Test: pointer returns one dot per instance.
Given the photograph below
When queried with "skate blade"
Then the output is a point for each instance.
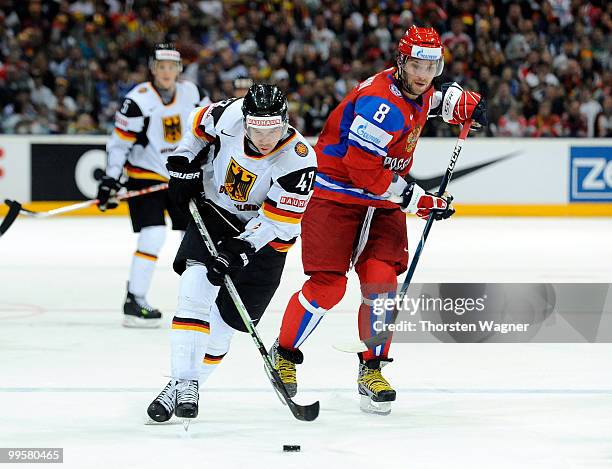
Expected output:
(140, 323)
(154, 423)
(369, 406)
(186, 422)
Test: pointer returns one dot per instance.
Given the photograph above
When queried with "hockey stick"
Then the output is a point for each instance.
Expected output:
(11, 216)
(306, 413)
(380, 338)
(84, 204)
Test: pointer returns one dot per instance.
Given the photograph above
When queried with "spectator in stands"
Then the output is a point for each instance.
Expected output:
(534, 52)
(84, 125)
(603, 121)
(590, 109)
(545, 123)
(512, 124)
(574, 123)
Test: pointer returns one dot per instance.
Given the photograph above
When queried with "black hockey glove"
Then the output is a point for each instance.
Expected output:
(234, 254)
(185, 180)
(107, 190)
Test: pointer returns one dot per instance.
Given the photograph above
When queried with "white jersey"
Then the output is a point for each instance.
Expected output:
(147, 130)
(269, 192)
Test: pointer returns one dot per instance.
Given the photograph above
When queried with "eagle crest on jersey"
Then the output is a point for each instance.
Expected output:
(413, 138)
(172, 128)
(238, 182)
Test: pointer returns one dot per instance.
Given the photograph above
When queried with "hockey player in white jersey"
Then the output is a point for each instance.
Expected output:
(257, 174)
(148, 128)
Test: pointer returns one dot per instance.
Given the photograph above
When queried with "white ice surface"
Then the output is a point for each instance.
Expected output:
(72, 377)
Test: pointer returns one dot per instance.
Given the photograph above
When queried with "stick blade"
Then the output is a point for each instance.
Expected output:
(11, 216)
(305, 413)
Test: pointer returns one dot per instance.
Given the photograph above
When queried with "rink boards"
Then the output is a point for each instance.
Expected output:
(493, 177)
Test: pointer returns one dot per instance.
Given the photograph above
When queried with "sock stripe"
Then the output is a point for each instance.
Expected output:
(144, 255)
(189, 324)
(213, 359)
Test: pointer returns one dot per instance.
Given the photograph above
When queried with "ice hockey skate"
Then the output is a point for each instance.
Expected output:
(162, 408)
(139, 314)
(376, 392)
(284, 362)
(187, 396)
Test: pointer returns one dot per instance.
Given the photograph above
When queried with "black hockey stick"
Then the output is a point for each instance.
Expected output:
(380, 338)
(11, 216)
(86, 203)
(306, 413)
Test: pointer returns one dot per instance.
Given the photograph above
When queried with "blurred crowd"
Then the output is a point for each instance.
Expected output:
(544, 66)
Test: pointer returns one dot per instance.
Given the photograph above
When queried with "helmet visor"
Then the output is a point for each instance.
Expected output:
(265, 131)
(424, 68)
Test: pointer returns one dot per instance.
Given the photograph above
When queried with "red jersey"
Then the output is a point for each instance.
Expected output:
(370, 135)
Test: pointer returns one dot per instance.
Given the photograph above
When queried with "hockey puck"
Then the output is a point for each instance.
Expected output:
(291, 448)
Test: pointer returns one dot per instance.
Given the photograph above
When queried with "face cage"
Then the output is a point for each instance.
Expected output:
(401, 62)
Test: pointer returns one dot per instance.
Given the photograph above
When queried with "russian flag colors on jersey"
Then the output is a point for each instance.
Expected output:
(368, 137)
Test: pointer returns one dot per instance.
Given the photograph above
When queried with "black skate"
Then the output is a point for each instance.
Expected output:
(140, 315)
(284, 362)
(186, 399)
(162, 408)
(376, 392)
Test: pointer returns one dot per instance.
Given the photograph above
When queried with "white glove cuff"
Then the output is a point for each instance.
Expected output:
(452, 95)
(396, 188)
(417, 193)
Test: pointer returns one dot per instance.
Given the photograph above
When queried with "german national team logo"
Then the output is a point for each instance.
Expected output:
(301, 149)
(412, 138)
(172, 128)
(238, 182)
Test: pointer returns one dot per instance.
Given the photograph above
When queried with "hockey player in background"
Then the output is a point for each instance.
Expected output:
(148, 127)
(258, 175)
(364, 152)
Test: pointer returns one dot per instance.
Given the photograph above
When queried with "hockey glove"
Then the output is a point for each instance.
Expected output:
(234, 254)
(107, 190)
(459, 105)
(417, 201)
(185, 180)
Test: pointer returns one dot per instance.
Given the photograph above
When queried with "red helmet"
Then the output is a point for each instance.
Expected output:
(421, 43)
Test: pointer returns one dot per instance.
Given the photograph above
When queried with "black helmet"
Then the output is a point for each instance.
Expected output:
(266, 102)
(166, 51)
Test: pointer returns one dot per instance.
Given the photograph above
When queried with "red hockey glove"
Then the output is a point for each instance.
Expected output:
(458, 106)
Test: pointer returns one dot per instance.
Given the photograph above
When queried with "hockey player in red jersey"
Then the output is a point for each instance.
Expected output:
(363, 153)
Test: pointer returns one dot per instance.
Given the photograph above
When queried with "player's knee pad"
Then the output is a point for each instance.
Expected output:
(325, 288)
(220, 334)
(374, 271)
(151, 239)
(196, 294)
